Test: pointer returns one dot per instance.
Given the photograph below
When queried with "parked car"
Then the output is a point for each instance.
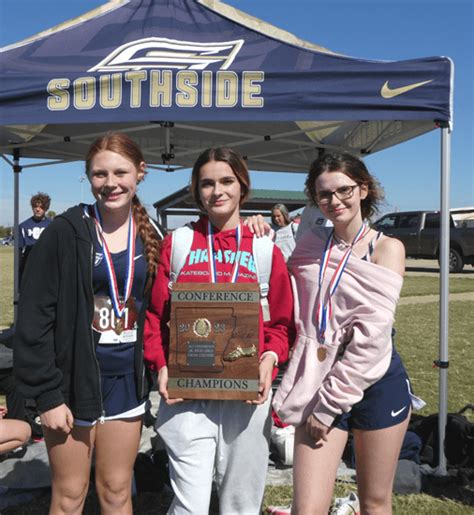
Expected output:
(7, 241)
(419, 231)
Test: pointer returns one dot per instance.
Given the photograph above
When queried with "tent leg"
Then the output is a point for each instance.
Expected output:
(16, 234)
(443, 362)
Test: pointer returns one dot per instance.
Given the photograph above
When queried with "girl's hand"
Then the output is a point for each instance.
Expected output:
(265, 370)
(258, 226)
(3, 412)
(58, 419)
(316, 429)
(163, 386)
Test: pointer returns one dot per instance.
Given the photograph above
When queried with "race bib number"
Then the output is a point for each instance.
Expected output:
(114, 330)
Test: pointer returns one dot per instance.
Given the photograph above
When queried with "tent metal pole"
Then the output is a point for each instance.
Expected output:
(16, 233)
(443, 362)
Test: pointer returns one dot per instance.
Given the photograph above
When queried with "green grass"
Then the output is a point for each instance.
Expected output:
(6, 286)
(417, 341)
(415, 286)
(419, 504)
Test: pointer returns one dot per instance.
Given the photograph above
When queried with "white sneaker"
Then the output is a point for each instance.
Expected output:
(283, 439)
(346, 505)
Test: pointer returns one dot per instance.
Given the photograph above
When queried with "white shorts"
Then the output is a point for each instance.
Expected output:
(135, 412)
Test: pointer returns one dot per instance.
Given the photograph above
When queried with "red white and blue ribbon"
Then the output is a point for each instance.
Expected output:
(118, 303)
(212, 257)
(324, 309)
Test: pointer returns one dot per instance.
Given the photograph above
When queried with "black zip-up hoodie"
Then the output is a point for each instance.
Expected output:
(54, 351)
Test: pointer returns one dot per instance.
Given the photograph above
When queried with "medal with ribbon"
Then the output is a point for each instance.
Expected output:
(118, 303)
(324, 309)
(212, 257)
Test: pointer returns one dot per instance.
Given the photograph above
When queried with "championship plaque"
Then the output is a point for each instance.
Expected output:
(213, 350)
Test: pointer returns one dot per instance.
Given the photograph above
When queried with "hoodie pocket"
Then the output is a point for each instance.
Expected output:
(298, 392)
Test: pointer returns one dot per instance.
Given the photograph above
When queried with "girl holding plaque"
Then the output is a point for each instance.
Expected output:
(224, 439)
(78, 349)
(345, 373)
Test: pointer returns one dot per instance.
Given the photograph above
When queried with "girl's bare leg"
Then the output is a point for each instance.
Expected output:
(13, 434)
(117, 443)
(377, 455)
(314, 471)
(70, 461)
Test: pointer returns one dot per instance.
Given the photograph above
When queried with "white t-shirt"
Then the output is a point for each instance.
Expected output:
(311, 217)
(285, 239)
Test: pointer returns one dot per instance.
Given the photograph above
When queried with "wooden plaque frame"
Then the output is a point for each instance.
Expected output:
(214, 330)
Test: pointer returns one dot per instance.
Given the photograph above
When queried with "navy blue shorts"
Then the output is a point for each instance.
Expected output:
(385, 404)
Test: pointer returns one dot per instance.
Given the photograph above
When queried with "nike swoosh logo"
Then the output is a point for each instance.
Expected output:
(396, 413)
(388, 92)
(137, 257)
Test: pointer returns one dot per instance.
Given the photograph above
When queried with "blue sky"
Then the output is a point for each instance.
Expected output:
(372, 29)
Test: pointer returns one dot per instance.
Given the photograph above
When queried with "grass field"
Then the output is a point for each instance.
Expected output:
(417, 342)
(414, 286)
(6, 286)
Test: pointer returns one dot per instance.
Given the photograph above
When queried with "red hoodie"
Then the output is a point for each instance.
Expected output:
(275, 335)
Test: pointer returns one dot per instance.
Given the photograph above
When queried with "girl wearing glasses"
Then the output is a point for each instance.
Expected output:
(345, 374)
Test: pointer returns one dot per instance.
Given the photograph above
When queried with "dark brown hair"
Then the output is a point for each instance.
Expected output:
(43, 199)
(120, 143)
(229, 156)
(352, 167)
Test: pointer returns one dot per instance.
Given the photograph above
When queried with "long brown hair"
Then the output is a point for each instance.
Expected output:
(120, 143)
(229, 156)
(352, 167)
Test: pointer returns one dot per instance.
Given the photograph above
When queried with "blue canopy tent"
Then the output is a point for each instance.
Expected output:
(183, 75)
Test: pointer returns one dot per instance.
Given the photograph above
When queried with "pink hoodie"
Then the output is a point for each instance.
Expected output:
(358, 343)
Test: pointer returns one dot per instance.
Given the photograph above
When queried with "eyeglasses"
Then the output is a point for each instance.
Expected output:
(342, 193)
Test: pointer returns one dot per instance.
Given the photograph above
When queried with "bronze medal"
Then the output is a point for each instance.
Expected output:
(321, 353)
(119, 325)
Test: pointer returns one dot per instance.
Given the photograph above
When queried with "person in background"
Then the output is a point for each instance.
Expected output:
(78, 343)
(30, 230)
(17, 407)
(345, 374)
(285, 230)
(13, 433)
(205, 439)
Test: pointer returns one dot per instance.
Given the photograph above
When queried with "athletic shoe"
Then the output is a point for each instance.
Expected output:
(346, 505)
(279, 510)
(283, 440)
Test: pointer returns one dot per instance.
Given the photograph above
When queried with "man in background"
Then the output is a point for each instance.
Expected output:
(30, 230)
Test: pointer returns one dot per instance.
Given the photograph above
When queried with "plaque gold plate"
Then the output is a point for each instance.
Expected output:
(213, 351)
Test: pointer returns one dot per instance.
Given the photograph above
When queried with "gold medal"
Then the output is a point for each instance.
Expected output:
(321, 353)
(202, 327)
